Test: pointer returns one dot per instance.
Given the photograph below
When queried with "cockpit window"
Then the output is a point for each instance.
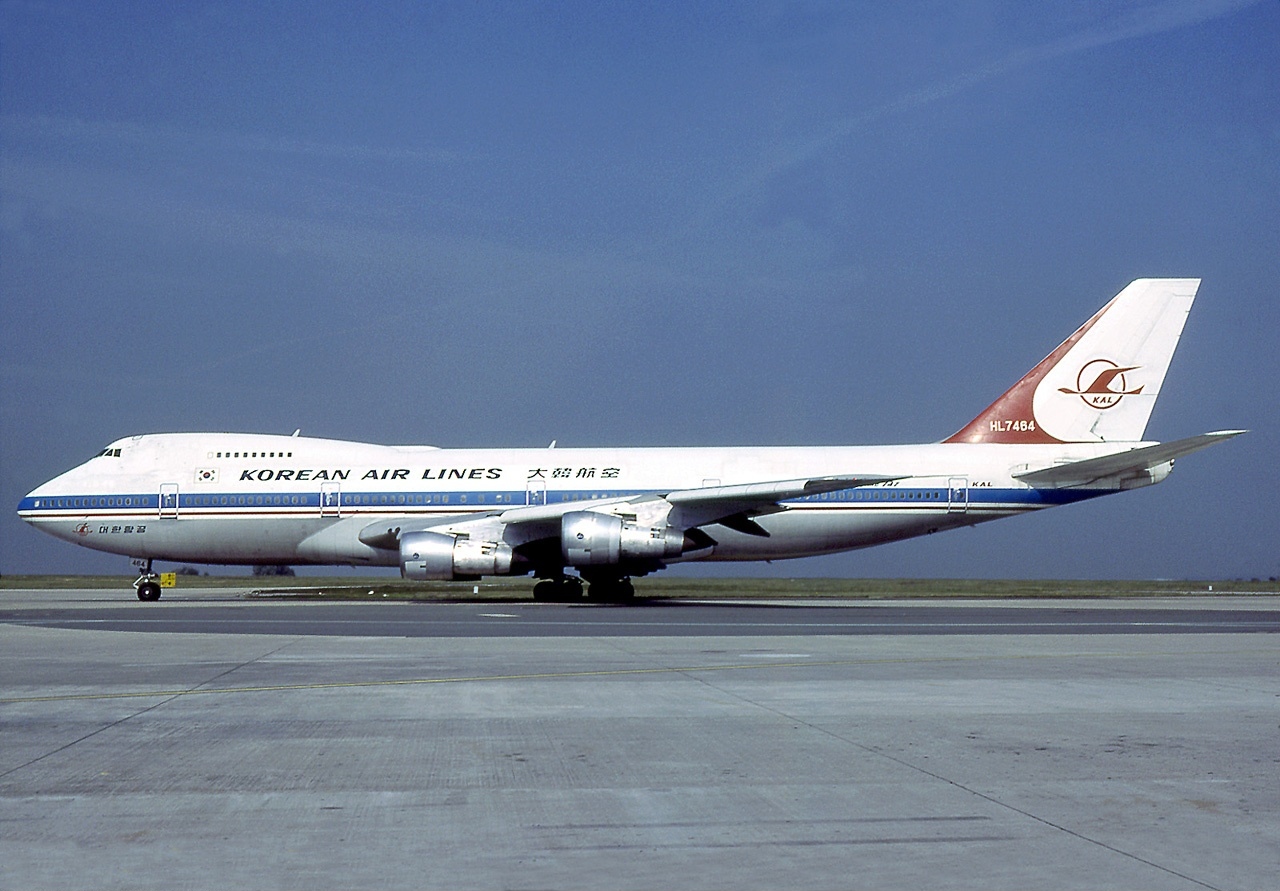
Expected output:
(108, 453)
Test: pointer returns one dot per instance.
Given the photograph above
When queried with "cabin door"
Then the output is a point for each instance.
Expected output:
(168, 499)
(330, 499)
(958, 495)
(535, 490)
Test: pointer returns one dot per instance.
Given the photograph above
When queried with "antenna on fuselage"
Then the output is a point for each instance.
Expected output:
(296, 432)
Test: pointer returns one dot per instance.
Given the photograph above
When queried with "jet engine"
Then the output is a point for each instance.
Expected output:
(588, 538)
(435, 556)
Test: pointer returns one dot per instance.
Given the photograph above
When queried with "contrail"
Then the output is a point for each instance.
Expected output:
(1138, 23)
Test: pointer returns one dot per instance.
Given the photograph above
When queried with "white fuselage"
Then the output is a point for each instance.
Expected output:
(261, 499)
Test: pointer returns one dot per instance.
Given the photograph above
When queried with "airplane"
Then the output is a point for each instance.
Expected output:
(1069, 430)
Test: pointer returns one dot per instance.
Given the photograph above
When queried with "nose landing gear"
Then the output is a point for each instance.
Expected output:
(148, 583)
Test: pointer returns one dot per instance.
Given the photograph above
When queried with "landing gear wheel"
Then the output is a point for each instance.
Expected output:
(147, 585)
(561, 590)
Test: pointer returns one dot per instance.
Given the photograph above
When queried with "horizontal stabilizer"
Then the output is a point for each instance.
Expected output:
(1122, 464)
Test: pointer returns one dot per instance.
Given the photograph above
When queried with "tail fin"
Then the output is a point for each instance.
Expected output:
(1101, 384)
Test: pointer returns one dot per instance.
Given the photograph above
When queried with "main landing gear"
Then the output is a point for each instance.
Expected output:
(148, 583)
(567, 589)
(562, 589)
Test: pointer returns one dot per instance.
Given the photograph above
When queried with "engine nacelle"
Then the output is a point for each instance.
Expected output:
(588, 538)
(437, 556)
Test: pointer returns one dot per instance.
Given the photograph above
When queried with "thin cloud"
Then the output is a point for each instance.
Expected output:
(1139, 23)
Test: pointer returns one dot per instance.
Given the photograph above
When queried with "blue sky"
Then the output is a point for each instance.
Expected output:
(471, 224)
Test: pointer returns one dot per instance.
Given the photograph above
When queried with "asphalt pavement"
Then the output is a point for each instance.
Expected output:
(210, 741)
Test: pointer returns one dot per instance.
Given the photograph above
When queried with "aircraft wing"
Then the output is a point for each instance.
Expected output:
(1121, 465)
(731, 505)
(690, 508)
(714, 504)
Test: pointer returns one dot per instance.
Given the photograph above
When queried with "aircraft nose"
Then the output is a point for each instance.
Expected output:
(34, 501)
(29, 502)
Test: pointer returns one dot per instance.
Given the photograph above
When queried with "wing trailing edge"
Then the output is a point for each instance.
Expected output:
(711, 504)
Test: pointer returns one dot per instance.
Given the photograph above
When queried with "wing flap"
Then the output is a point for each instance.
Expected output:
(771, 492)
(699, 507)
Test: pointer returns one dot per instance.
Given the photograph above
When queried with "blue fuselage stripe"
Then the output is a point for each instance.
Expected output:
(381, 502)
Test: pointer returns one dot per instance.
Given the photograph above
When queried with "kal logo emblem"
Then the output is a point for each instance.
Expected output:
(82, 530)
(1101, 384)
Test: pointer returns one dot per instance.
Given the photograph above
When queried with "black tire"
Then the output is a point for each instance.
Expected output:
(149, 592)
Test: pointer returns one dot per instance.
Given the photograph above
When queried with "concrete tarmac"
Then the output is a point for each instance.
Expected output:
(214, 756)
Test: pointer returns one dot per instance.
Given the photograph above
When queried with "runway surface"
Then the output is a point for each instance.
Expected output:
(208, 741)
(662, 618)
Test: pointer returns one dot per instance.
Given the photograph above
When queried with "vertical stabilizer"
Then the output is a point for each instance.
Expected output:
(1101, 384)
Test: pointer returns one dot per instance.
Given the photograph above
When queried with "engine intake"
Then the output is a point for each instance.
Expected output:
(436, 556)
(588, 538)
